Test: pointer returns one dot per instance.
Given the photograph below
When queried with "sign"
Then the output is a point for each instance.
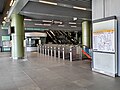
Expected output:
(104, 36)
(104, 40)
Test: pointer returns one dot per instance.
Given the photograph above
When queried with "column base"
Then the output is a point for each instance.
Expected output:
(17, 58)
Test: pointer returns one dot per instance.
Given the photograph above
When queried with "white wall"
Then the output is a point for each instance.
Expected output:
(97, 9)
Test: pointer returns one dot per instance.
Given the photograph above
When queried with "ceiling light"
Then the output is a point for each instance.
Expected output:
(37, 24)
(3, 22)
(11, 2)
(58, 22)
(5, 18)
(73, 26)
(75, 18)
(72, 23)
(7, 12)
(46, 2)
(64, 5)
(14, 3)
(61, 25)
(47, 24)
(46, 21)
(27, 19)
(79, 8)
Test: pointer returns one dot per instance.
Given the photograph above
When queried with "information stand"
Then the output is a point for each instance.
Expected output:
(105, 46)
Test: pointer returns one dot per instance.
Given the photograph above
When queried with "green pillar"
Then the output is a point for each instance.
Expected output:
(18, 36)
(86, 33)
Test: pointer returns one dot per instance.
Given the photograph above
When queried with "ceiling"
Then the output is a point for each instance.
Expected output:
(55, 16)
(2, 6)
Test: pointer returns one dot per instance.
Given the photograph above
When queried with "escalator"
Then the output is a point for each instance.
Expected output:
(73, 41)
(50, 37)
(63, 38)
(55, 37)
(72, 35)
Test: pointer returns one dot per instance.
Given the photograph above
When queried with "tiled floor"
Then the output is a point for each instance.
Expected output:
(41, 72)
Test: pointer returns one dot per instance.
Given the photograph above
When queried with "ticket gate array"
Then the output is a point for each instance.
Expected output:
(65, 52)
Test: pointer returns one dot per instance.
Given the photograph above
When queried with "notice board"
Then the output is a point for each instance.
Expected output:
(104, 37)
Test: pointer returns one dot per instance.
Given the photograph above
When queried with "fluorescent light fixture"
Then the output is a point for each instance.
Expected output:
(7, 12)
(5, 18)
(75, 18)
(46, 21)
(3, 22)
(58, 22)
(37, 24)
(61, 25)
(11, 2)
(79, 8)
(64, 5)
(72, 23)
(47, 24)
(27, 19)
(73, 26)
(47, 2)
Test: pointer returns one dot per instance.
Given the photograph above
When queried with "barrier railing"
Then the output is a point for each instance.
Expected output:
(65, 52)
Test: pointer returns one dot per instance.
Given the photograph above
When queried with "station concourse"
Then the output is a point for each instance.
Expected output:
(59, 45)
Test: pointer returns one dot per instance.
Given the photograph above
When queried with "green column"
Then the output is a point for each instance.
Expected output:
(17, 36)
(86, 33)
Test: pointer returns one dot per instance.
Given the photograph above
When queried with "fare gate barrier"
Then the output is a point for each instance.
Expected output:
(42, 48)
(48, 50)
(69, 52)
(76, 53)
(54, 51)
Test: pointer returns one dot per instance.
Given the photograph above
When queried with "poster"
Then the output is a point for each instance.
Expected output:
(104, 36)
(104, 40)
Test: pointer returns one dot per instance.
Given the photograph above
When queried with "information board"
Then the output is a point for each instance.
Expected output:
(103, 40)
(104, 36)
